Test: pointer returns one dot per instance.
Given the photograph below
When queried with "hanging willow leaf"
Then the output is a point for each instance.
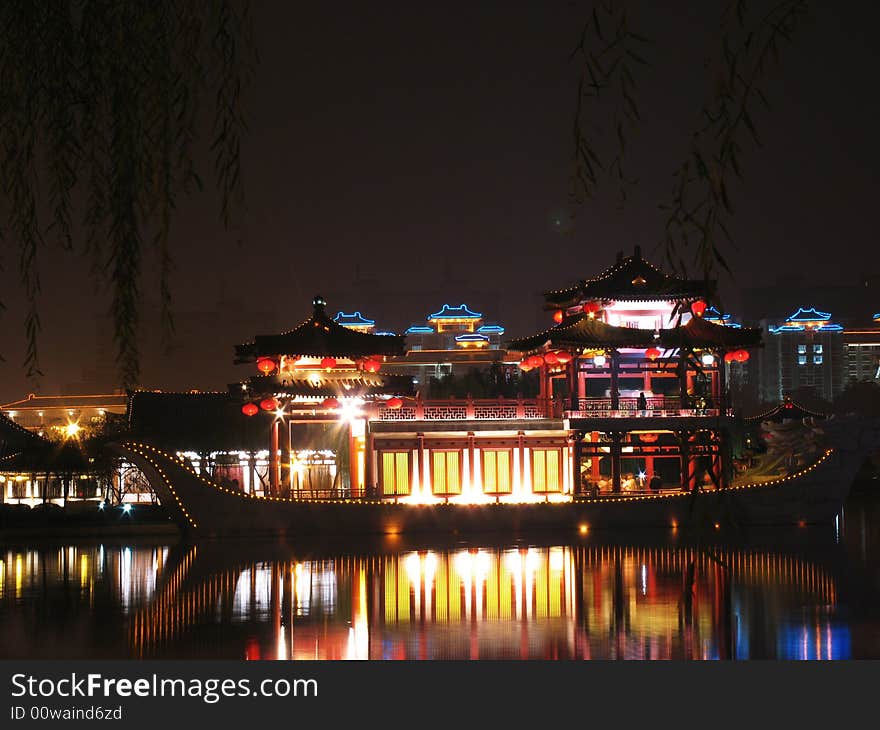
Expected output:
(606, 101)
(100, 102)
(748, 42)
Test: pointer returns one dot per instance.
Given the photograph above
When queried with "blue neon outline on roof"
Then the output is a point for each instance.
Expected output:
(470, 337)
(385, 333)
(713, 313)
(419, 330)
(356, 316)
(803, 315)
(876, 316)
(830, 328)
(786, 328)
(492, 329)
(735, 325)
(459, 312)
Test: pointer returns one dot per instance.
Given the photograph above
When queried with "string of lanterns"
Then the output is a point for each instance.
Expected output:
(736, 356)
(372, 364)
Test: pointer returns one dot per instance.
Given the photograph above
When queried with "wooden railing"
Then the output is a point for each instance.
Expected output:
(491, 409)
(465, 409)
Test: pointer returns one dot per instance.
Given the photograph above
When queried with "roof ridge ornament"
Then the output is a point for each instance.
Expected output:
(319, 303)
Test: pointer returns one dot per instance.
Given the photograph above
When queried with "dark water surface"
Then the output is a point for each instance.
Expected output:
(793, 594)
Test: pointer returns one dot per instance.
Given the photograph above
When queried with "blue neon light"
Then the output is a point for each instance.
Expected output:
(786, 328)
(713, 313)
(876, 316)
(353, 319)
(471, 338)
(808, 315)
(385, 333)
(420, 330)
(830, 328)
(459, 312)
(491, 329)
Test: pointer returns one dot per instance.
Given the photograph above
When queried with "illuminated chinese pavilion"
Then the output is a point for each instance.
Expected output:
(639, 375)
(632, 396)
(318, 385)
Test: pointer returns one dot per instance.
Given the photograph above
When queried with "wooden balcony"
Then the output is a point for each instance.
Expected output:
(517, 409)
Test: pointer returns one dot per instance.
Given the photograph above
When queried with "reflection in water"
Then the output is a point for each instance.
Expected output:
(560, 602)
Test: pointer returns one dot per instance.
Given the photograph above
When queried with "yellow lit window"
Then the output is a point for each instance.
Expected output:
(395, 473)
(446, 472)
(546, 470)
(497, 471)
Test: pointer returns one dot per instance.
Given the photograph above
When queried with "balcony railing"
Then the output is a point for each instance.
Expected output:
(492, 409)
(466, 409)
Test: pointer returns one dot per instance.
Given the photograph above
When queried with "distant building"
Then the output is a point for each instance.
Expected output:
(43, 414)
(804, 352)
(454, 339)
(862, 351)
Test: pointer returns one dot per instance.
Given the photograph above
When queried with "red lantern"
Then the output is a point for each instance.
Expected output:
(372, 366)
(265, 365)
(524, 365)
(652, 353)
(742, 355)
(328, 363)
(268, 404)
(551, 359)
(330, 403)
(729, 356)
(698, 307)
(394, 402)
(535, 361)
(563, 357)
(648, 438)
(249, 409)
(558, 316)
(592, 307)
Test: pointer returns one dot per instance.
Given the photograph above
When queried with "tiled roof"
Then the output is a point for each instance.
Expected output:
(581, 330)
(631, 279)
(320, 336)
(45, 402)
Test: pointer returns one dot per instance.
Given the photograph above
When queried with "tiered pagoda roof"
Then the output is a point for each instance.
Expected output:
(320, 336)
(583, 331)
(631, 279)
(698, 332)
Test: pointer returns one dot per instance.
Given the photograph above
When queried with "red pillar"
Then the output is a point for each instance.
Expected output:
(274, 461)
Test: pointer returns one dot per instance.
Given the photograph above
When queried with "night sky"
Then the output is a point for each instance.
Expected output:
(402, 156)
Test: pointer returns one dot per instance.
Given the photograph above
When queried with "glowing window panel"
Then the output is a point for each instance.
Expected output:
(497, 471)
(395, 473)
(817, 359)
(446, 472)
(546, 472)
(802, 359)
(817, 349)
(802, 349)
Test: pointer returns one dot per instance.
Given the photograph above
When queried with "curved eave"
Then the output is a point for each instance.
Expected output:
(580, 330)
(320, 336)
(699, 332)
(371, 385)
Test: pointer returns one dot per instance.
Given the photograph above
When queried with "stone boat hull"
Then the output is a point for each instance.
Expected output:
(813, 495)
